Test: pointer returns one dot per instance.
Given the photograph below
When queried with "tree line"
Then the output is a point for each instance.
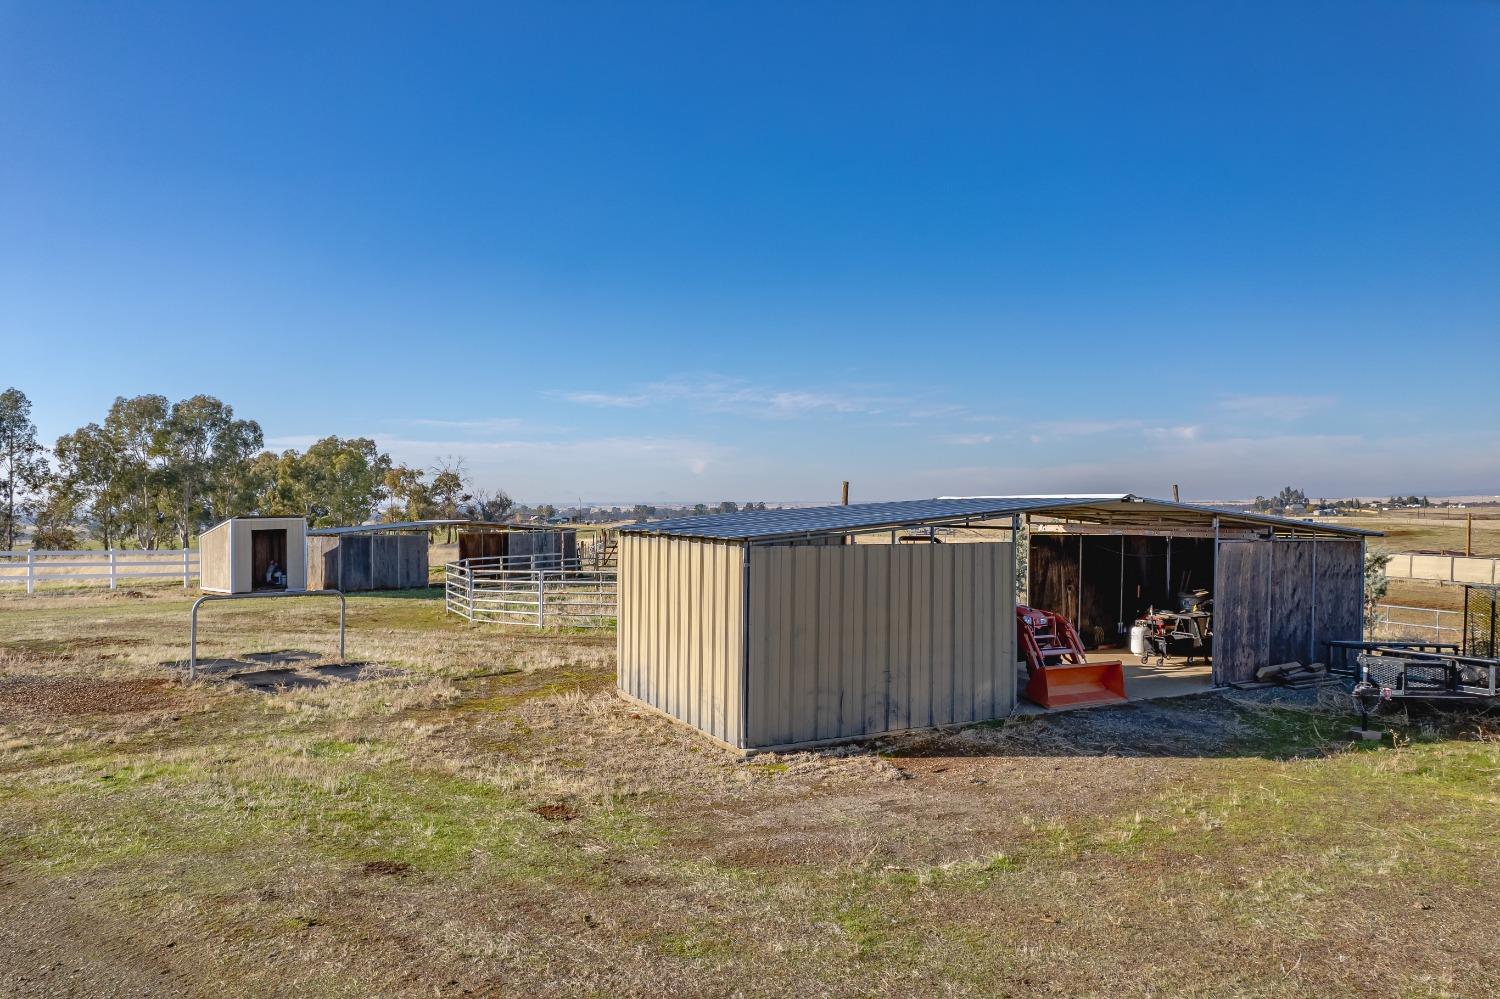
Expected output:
(154, 473)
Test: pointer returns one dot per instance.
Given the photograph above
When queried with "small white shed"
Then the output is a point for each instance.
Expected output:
(249, 554)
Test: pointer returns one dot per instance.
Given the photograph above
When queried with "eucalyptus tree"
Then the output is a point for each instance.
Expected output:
(203, 452)
(23, 467)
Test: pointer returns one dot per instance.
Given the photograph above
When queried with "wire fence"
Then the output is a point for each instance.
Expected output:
(34, 568)
(530, 590)
(1395, 622)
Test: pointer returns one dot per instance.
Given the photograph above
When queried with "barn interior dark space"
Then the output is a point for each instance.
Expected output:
(268, 547)
(1123, 577)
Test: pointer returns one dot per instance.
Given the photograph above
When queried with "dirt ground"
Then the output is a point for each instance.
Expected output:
(472, 811)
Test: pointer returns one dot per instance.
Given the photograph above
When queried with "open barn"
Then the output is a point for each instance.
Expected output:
(793, 627)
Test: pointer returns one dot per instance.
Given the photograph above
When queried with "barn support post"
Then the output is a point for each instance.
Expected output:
(1362, 615)
(1312, 632)
(1171, 597)
(1120, 613)
(1463, 632)
(744, 739)
(1078, 594)
(1215, 676)
(1270, 593)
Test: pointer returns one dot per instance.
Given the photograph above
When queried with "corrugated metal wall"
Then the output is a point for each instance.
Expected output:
(680, 632)
(862, 639)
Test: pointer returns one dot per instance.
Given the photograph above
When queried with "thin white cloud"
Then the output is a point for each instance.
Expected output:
(967, 440)
(607, 399)
(1081, 428)
(721, 394)
(488, 425)
(1182, 433)
(1277, 407)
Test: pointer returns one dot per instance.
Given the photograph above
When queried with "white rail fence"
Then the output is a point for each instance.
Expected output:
(511, 591)
(1393, 622)
(33, 567)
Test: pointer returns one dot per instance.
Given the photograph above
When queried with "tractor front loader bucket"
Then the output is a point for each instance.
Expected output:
(1069, 686)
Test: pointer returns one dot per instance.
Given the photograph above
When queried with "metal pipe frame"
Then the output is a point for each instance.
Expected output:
(193, 619)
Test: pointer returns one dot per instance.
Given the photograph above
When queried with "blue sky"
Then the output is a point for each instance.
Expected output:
(684, 251)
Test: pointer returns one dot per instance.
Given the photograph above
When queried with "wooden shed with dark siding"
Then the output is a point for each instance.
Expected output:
(357, 562)
(515, 541)
(787, 628)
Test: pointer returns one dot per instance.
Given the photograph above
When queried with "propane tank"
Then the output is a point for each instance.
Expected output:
(1138, 640)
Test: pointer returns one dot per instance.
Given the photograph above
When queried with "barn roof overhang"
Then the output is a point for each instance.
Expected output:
(412, 526)
(1117, 510)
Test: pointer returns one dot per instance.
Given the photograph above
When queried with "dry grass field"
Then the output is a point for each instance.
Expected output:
(472, 812)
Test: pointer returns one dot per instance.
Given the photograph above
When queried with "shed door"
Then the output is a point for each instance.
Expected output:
(1283, 601)
(1242, 616)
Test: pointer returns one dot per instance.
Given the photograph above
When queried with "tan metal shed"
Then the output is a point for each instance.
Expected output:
(246, 554)
(766, 631)
(769, 630)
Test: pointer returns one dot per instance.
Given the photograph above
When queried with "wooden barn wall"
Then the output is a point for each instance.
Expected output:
(1106, 603)
(1292, 587)
(497, 544)
(322, 563)
(1052, 574)
(680, 634)
(354, 563)
(856, 640)
(412, 561)
(481, 544)
(1241, 611)
(1341, 593)
(1280, 601)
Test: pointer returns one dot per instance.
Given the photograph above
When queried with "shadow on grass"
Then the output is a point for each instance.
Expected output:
(285, 669)
(433, 593)
(1275, 725)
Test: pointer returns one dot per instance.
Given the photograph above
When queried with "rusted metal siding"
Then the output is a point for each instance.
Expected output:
(680, 633)
(857, 640)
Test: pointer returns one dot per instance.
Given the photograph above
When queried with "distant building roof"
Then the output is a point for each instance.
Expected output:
(408, 526)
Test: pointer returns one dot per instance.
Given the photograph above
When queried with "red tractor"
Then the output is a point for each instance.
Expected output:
(1061, 675)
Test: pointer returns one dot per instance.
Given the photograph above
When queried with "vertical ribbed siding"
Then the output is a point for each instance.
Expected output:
(680, 634)
(862, 639)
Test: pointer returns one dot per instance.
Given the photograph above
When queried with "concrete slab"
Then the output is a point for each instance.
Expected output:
(1175, 678)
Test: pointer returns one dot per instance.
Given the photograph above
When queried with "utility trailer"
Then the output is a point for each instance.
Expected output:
(1433, 676)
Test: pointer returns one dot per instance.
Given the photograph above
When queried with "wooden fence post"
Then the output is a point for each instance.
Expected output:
(541, 599)
(185, 582)
(31, 571)
(113, 570)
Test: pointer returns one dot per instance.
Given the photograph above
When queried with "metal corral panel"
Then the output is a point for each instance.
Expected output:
(857, 640)
(680, 630)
